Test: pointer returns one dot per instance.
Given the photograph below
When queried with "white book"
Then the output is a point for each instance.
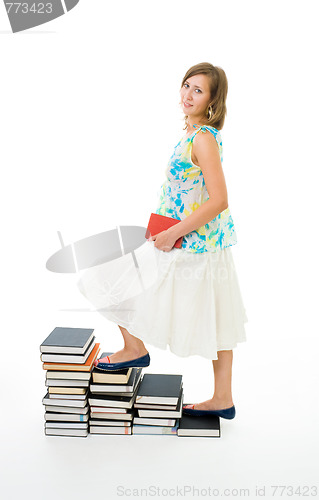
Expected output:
(66, 425)
(163, 413)
(67, 432)
(64, 402)
(148, 406)
(67, 409)
(96, 429)
(110, 416)
(79, 397)
(66, 383)
(108, 422)
(76, 375)
(105, 409)
(70, 417)
(199, 432)
(153, 429)
(154, 421)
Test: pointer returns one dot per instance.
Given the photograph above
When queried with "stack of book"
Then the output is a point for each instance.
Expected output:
(111, 398)
(159, 403)
(68, 355)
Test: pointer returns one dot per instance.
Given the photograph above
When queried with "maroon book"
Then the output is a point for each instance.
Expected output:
(159, 223)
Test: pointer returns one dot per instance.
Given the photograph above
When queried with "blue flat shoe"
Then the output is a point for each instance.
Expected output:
(226, 413)
(142, 362)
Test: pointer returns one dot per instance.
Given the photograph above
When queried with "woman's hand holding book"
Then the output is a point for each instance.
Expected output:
(164, 240)
(162, 230)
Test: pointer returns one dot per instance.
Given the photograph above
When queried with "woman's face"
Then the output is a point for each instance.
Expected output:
(195, 97)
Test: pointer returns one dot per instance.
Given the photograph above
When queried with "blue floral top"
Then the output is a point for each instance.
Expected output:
(184, 190)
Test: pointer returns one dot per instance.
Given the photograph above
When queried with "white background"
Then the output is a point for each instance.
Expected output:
(89, 117)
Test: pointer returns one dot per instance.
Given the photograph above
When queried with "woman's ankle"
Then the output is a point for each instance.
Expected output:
(136, 349)
(223, 398)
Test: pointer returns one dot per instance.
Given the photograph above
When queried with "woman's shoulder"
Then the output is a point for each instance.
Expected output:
(213, 131)
(205, 129)
(210, 128)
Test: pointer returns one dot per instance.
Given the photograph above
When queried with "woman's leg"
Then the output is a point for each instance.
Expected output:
(222, 380)
(133, 348)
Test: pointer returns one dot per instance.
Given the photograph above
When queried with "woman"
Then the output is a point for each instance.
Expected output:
(194, 305)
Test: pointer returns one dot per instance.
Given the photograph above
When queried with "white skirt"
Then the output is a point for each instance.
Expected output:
(190, 302)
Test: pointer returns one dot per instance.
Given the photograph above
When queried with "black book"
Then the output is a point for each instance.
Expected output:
(159, 388)
(69, 358)
(66, 340)
(151, 413)
(205, 426)
(113, 400)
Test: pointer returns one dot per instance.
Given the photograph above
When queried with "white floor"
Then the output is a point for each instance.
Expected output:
(272, 441)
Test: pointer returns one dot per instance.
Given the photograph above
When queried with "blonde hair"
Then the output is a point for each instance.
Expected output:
(218, 91)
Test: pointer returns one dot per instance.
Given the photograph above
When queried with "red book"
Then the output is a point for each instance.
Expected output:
(159, 223)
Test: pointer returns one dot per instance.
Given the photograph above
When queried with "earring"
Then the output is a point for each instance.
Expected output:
(210, 112)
